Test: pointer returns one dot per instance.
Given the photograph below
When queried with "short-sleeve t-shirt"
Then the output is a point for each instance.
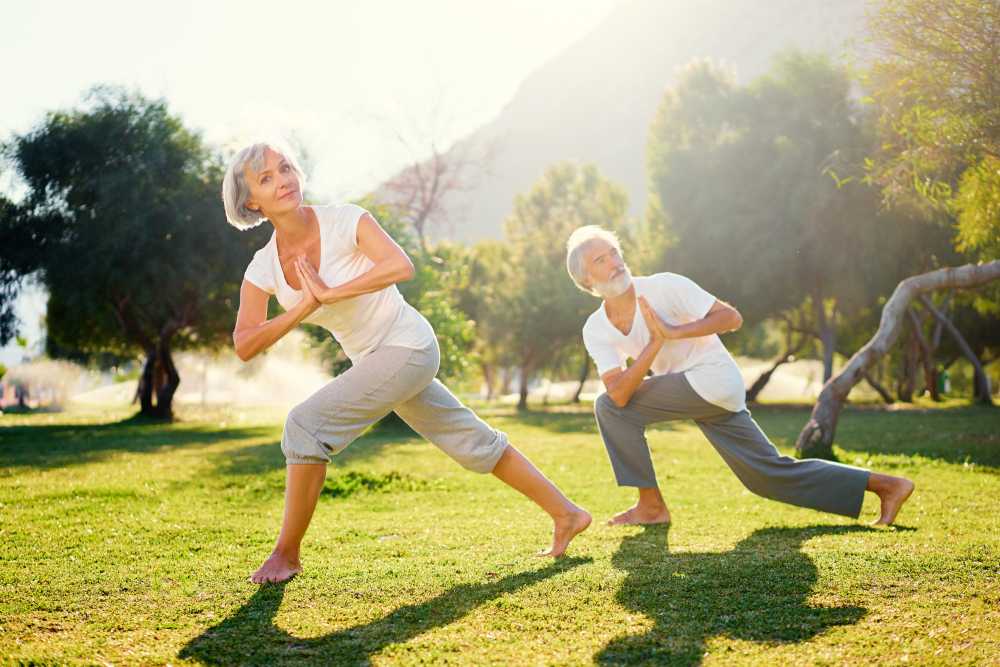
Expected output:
(704, 360)
(362, 323)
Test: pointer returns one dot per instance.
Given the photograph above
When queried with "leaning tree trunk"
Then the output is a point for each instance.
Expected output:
(765, 377)
(981, 378)
(816, 438)
(882, 391)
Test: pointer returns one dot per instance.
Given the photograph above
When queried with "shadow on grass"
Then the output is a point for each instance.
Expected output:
(52, 446)
(756, 592)
(250, 637)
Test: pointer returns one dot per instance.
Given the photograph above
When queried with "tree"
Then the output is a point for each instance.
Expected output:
(484, 294)
(546, 310)
(759, 180)
(816, 438)
(936, 87)
(122, 219)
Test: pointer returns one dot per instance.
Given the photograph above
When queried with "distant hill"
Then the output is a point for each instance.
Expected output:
(594, 101)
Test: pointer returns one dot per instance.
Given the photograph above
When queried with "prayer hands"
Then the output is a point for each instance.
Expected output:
(313, 286)
(658, 329)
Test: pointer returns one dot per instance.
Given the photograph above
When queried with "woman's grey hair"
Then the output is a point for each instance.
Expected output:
(235, 190)
(577, 243)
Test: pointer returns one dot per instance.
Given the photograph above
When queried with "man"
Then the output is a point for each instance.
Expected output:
(668, 325)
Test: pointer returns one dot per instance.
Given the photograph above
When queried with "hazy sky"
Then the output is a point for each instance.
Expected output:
(341, 78)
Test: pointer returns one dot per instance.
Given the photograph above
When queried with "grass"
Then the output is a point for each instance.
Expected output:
(130, 543)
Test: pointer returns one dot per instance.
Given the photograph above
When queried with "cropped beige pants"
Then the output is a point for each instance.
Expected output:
(391, 378)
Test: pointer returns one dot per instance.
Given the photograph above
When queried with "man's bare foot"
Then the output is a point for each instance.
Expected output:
(893, 495)
(277, 567)
(565, 529)
(641, 515)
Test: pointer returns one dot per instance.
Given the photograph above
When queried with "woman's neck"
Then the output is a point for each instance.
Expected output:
(292, 228)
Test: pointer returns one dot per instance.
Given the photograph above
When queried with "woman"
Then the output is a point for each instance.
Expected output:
(336, 267)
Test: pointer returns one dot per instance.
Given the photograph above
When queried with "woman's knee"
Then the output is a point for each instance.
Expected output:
(298, 440)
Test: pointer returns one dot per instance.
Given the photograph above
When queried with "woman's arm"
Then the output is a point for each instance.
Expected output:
(254, 333)
(392, 265)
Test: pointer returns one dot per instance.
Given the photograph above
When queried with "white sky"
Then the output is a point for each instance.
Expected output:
(341, 78)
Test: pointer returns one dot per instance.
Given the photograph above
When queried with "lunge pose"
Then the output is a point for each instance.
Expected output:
(668, 325)
(336, 267)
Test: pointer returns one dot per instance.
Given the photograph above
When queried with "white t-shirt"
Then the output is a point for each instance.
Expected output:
(362, 323)
(705, 362)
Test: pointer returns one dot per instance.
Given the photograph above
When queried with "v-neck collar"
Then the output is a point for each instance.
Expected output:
(635, 318)
(277, 257)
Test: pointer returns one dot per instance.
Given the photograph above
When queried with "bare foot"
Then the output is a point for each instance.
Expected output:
(276, 568)
(565, 529)
(641, 515)
(895, 494)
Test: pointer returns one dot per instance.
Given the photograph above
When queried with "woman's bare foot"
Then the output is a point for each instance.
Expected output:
(277, 567)
(565, 529)
(893, 492)
(641, 515)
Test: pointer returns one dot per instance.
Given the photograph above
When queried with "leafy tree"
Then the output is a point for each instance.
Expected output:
(121, 217)
(546, 310)
(936, 85)
(754, 193)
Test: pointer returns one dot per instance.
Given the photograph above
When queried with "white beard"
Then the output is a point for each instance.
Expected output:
(614, 287)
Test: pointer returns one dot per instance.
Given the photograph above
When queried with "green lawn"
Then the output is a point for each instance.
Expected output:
(130, 543)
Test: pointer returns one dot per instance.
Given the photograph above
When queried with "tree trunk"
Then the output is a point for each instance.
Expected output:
(584, 374)
(882, 391)
(522, 401)
(168, 380)
(827, 327)
(144, 390)
(765, 377)
(982, 380)
(489, 377)
(505, 381)
(816, 438)
(926, 356)
(907, 381)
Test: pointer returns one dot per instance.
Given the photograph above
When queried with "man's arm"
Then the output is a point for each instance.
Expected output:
(721, 317)
(622, 384)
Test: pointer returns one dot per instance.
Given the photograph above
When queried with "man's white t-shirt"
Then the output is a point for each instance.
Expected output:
(362, 323)
(705, 362)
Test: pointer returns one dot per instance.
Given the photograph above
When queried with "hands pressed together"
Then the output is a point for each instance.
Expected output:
(659, 330)
(314, 290)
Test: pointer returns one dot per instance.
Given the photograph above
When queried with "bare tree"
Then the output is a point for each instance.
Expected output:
(421, 192)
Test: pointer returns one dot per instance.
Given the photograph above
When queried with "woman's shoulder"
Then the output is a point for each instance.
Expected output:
(347, 213)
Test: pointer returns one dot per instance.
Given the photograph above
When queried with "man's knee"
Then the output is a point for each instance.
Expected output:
(604, 407)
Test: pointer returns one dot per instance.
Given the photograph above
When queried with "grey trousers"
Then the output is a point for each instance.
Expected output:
(390, 378)
(814, 483)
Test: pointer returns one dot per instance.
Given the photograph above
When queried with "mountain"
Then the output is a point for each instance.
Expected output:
(594, 101)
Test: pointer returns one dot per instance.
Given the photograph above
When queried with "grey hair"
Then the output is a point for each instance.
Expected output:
(235, 190)
(577, 243)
